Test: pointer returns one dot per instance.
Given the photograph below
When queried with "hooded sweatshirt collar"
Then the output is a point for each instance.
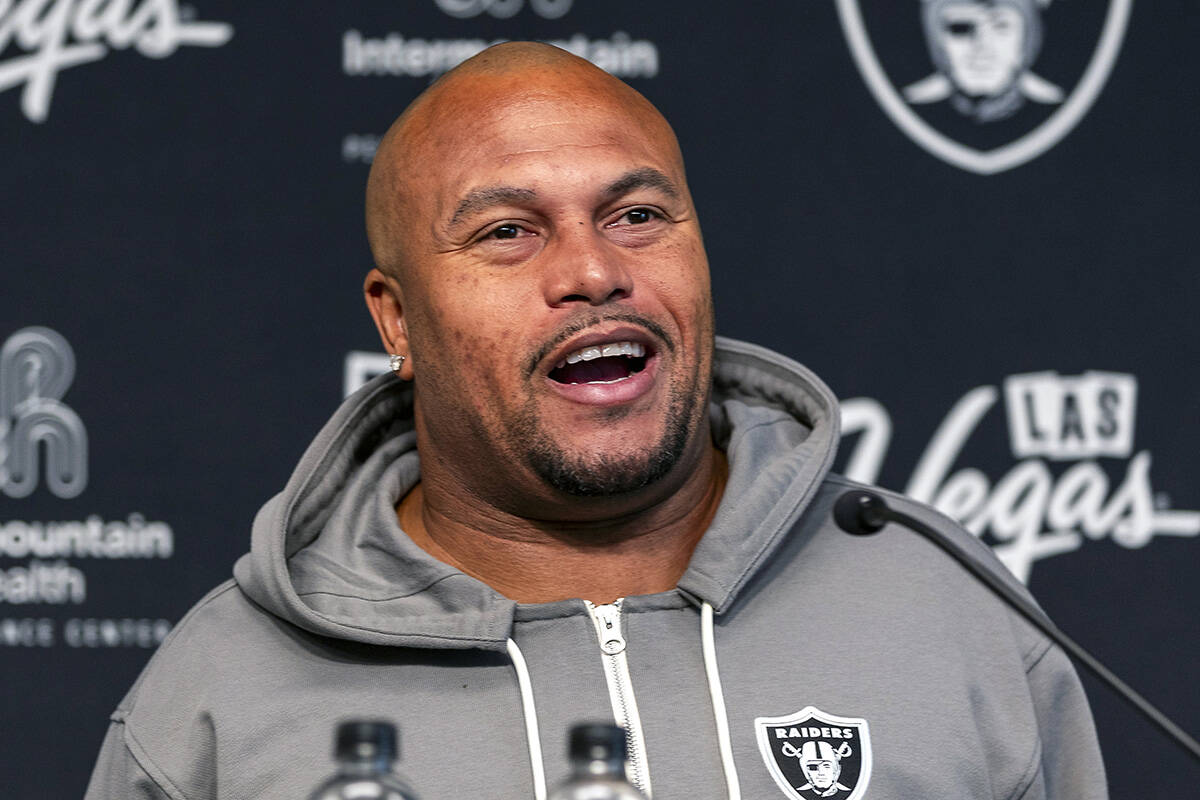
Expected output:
(328, 555)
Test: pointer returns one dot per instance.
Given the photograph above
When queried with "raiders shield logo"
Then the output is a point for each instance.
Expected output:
(985, 85)
(811, 754)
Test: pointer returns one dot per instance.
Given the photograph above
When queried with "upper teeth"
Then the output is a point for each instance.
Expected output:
(604, 351)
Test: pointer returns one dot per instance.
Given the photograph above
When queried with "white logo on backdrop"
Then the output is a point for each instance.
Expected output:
(1029, 512)
(502, 9)
(416, 57)
(983, 54)
(40, 436)
(60, 34)
(36, 368)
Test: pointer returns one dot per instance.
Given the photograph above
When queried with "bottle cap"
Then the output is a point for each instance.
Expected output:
(597, 741)
(366, 739)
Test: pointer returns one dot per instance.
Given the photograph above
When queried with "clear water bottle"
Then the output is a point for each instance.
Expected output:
(365, 750)
(597, 753)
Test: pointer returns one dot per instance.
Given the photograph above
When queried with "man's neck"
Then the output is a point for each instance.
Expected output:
(538, 562)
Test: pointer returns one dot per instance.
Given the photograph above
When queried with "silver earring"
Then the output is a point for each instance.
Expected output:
(395, 362)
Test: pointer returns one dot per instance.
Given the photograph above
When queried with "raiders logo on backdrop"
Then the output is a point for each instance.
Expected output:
(811, 754)
(985, 85)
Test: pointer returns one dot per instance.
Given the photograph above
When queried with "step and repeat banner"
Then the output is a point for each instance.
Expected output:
(976, 220)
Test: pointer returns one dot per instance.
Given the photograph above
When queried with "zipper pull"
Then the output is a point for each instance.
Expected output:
(607, 619)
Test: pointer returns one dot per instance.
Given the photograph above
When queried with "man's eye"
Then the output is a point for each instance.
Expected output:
(505, 232)
(639, 216)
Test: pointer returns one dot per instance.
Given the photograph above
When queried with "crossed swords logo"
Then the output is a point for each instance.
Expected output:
(791, 752)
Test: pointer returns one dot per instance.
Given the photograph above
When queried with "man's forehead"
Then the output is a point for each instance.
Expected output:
(532, 142)
(508, 120)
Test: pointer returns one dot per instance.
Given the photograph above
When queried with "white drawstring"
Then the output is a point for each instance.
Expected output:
(708, 645)
(531, 726)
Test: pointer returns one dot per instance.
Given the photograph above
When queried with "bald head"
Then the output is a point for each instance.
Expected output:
(503, 81)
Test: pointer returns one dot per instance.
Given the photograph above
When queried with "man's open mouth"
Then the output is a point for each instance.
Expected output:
(604, 363)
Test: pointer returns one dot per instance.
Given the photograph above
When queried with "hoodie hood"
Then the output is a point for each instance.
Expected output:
(327, 553)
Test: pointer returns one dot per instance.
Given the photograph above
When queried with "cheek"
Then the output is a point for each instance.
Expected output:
(679, 277)
(470, 337)
(464, 352)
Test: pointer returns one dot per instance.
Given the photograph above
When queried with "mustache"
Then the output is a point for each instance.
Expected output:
(582, 324)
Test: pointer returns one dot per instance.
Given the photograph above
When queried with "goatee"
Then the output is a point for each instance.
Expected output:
(604, 475)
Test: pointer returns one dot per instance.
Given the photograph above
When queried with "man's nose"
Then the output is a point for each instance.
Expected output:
(584, 267)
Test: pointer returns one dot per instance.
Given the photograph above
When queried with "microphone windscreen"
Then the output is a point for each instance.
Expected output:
(859, 512)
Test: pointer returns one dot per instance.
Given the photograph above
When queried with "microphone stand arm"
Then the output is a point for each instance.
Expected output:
(864, 513)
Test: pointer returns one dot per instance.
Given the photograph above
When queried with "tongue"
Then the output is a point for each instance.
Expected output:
(599, 369)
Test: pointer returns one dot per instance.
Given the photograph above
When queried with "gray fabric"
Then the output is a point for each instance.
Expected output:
(335, 613)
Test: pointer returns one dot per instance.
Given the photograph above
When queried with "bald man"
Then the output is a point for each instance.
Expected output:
(570, 502)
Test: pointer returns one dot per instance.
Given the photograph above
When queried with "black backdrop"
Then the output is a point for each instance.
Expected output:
(182, 222)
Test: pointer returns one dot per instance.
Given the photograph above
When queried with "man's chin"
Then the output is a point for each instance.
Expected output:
(605, 475)
(627, 451)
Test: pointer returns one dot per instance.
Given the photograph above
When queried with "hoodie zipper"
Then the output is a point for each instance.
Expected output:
(607, 619)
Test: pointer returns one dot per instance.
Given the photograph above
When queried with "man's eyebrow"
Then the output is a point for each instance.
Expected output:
(481, 199)
(642, 178)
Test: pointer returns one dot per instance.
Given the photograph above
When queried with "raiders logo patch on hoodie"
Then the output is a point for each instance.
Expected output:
(812, 754)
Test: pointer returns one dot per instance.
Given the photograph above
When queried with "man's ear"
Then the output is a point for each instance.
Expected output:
(386, 304)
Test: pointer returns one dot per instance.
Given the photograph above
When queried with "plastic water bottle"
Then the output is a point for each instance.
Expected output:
(597, 753)
(365, 750)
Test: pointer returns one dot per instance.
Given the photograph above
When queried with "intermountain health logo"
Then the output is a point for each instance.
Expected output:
(43, 443)
(40, 38)
(1071, 438)
(985, 85)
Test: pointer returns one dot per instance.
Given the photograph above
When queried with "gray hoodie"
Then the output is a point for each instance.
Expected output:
(792, 660)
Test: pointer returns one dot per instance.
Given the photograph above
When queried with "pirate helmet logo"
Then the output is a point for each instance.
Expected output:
(812, 754)
(983, 54)
(982, 103)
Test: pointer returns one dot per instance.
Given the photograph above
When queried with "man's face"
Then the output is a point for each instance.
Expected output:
(550, 228)
(822, 773)
(984, 44)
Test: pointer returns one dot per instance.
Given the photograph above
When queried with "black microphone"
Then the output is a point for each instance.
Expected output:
(863, 513)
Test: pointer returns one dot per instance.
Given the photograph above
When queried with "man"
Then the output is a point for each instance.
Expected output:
(568, 504)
